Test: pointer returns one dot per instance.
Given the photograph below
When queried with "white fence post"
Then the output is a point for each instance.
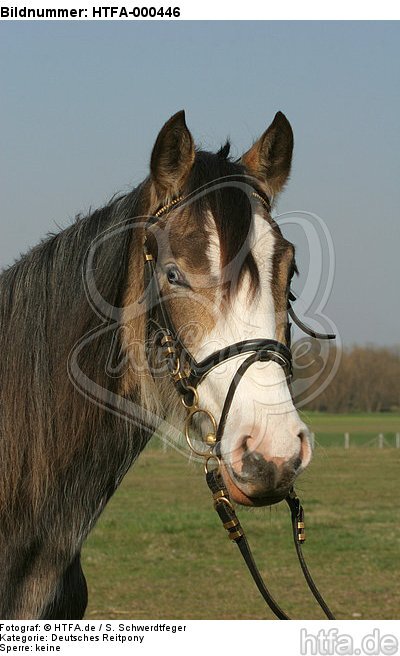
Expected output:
(346, 440)
(380, 440)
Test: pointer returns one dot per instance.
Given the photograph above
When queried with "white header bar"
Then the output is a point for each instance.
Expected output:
(167, 10)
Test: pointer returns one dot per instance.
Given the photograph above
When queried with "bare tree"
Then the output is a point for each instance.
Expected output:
(368, 377)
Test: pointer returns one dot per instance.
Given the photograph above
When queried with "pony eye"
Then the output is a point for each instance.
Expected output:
(174, 276)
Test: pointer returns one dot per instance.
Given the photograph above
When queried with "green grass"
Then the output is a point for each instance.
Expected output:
(363, 428)
(160, 552)
(377, 422)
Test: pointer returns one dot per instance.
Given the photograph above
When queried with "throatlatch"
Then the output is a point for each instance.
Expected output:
(186, 374)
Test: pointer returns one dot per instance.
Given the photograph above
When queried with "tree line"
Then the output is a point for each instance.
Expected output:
(358, 378)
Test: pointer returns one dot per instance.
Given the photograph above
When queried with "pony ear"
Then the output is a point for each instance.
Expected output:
(173, 155)
(270, 158)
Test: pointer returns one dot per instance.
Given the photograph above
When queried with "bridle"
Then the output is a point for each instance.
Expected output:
(187, 373)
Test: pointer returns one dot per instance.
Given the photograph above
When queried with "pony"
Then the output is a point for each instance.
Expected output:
(71, 425)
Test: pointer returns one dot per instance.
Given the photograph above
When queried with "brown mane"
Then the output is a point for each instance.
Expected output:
(65, 448)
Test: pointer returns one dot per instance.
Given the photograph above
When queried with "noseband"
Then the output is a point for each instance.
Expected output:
(187, 373)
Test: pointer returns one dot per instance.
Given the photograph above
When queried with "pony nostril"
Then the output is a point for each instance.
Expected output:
(249, 443)
(305, 448)
(245, 442)
(297, 464)
(303, 436)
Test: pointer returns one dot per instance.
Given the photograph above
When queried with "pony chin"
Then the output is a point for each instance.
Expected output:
(238, 496)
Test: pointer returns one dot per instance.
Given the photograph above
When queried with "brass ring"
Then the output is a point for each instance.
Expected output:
(175, 370)
(195, 402)
(212, 457)
(188, 420)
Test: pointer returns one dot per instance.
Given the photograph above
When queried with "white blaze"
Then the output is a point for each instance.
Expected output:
(262, 407)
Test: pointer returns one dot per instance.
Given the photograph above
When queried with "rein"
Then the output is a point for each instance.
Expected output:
(186, 374)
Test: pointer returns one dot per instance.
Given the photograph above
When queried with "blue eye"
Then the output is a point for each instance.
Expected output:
(176, 277)
(173, 276)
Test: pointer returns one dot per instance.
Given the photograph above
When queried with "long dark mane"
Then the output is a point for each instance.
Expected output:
(44, 312)
(62, 456)
(51, 436)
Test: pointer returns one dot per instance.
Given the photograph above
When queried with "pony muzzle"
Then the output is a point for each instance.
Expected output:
(253, 476)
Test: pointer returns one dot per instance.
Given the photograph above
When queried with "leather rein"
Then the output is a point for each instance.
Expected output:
(186, 374)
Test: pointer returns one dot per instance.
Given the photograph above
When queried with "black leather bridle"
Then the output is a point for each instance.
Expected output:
(187, 374)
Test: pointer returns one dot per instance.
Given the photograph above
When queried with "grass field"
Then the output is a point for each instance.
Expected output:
(160, 552)
(363, 428)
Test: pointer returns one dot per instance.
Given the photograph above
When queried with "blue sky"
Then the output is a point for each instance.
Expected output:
(82, 104)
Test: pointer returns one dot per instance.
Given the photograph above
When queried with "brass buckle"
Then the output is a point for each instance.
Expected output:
(223, 499)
